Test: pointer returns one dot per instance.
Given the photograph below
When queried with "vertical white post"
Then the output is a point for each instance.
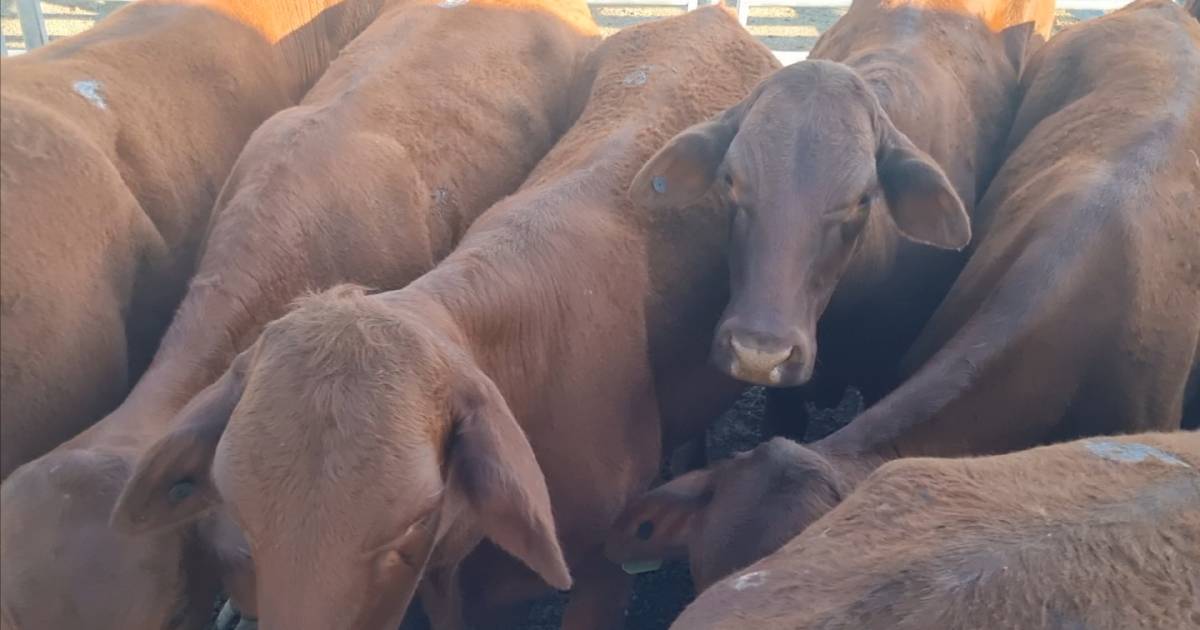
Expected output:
(743, 11)
(33, 25)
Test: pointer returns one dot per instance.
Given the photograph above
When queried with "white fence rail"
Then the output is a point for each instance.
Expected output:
(33, 23)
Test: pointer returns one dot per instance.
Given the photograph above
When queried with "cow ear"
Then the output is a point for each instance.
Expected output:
(684, 169)
(171, 484)
(922, 202)
(658, 525)
(1020, 41)
(493, 465)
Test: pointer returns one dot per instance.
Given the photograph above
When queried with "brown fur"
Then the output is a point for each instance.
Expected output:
(382, 425)
(1098, 534)
(372, 178)
(1077, 313)
(834, 164)
(105, 201)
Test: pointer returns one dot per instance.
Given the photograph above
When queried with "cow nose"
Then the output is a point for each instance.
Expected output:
(756, 359)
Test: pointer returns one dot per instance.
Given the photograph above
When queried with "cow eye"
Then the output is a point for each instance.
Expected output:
(865, 200)
(729, 179)
(645, 530)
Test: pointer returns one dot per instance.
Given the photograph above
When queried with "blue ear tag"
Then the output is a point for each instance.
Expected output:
(181, 490)
(659, 183)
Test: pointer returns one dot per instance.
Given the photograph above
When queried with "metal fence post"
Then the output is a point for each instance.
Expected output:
(743, 11)
(33, 25)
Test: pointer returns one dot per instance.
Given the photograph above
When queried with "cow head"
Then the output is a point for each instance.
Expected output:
(345, 444)
(815, 169)
(726, 517)
(64, 567)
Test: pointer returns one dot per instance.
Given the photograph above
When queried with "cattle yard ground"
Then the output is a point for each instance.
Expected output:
(661, 595)
(780, 28)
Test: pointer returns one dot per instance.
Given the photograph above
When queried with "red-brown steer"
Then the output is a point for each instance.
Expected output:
(1098, 534)
(853, 173)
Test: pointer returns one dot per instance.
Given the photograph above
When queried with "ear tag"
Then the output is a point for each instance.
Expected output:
(659, 183)
(181, 490)
(645, 566)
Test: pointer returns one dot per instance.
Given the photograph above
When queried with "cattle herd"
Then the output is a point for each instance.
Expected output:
(321, 308)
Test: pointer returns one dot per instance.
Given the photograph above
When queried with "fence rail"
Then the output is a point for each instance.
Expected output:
(33, 23)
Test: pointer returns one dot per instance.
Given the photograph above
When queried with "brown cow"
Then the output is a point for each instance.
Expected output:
(728, 516)
(373, 435)
(1079, 312)
(1099, 534)
(114, 145)
(423, 122)
(833, 163)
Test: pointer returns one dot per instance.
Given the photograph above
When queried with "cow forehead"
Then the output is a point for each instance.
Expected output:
(1131, 452)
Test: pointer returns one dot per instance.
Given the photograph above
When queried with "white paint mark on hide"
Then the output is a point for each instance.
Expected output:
(92, 91)
(754, 579)
(1131, 452)
(638, 77)
(450, 4)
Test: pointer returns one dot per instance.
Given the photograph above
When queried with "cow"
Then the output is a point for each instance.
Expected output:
(115, 144)
(1077, 314)
(854, 173)
(1098, 533)
(728, 516)
(424, 121)
(521, 391)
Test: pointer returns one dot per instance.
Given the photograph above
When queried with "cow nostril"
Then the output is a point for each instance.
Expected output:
(645, 530)
(759, 357)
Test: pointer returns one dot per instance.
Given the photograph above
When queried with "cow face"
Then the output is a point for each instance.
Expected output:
(55, 538)
(815, 170)
(728, 516)
(345, 444)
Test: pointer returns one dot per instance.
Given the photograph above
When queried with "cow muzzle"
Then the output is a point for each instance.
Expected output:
(765, 359)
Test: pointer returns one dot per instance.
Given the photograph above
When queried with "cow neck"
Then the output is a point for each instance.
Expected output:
(307, 33)
(494, 322)
(211, 326)
(880, 245)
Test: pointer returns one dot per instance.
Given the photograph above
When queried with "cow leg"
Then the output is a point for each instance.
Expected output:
(599, 597)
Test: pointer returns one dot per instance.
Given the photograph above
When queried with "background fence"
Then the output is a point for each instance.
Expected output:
(788, 27)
